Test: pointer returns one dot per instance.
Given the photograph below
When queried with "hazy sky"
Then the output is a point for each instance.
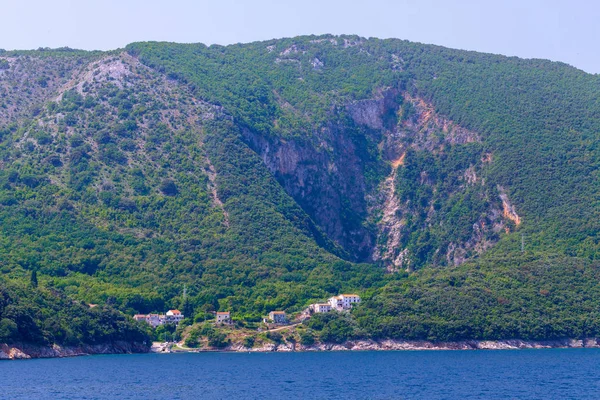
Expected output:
(567, 30)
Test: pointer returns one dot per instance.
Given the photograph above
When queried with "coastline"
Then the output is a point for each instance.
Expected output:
(21, 351)
(397, 345)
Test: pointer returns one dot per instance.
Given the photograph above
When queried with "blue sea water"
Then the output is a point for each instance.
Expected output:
(519, 374)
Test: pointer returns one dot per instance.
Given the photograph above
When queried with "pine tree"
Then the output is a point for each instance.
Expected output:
(34, 280)
(187, 308)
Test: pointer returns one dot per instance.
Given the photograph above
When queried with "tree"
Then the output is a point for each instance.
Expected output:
(249, 342)
(168, 187)
(34, 279)
(307, 338)
(8, 330)
(187, 307)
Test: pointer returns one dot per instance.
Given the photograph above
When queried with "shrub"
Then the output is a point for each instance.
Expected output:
(168, 187)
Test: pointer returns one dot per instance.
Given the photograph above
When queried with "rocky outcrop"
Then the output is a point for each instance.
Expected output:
(391, 226)
(508, 210)
(18, 351)
(363, 213)
(372, 112)
(25, 351)
(326, 180)
(211, 172)
(391, 345)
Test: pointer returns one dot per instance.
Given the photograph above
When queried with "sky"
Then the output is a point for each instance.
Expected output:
(567, 31)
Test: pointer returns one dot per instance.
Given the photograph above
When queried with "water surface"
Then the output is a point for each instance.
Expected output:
(504, 374)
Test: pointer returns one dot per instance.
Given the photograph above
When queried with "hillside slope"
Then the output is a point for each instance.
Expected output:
(266, 175)
(491, 142)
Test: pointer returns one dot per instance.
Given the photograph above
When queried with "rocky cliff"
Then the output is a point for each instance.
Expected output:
(349, 178)
(20, 351)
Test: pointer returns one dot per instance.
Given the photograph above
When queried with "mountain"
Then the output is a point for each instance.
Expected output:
(456, 191)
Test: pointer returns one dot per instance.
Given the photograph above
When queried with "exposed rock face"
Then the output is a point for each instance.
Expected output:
(25, 351)
(327, 181)
(346, 177)
(391, 345)
(508, 210)
(365, 216)
(19, 351)
(430, 130)
(371, 112)
(391, 226)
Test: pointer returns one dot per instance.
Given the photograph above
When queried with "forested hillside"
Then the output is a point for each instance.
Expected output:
(267, 175)
(46, 316)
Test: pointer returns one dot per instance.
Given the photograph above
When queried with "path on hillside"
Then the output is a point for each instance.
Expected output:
(283, 327)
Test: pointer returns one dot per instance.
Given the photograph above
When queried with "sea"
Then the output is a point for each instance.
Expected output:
(483, 374)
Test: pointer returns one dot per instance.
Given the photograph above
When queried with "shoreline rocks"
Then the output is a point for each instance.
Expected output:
(20, 351)
(407, 345)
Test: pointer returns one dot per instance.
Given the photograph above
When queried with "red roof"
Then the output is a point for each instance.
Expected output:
(223, 313)
(175, 311)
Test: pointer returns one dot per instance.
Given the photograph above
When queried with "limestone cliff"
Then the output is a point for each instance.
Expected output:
(351, 179)
(20, 351)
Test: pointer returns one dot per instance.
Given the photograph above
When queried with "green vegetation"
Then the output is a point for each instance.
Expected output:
(526, 298)
(245, 173)
(44, 315)
(333, 327)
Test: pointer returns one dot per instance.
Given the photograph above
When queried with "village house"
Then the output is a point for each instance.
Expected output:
(278, 317)
(321, 307)
(154, 320)
(140, 317)
(173, 317)
(223, 317)
(343, 301)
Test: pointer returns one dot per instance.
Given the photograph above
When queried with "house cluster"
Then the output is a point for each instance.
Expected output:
(336, 303)
(171, 317)
(341, 302)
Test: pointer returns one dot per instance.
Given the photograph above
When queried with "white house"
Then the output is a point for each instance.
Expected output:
(173, 317)
(321, 307)
(278, 317)
(223, 317)
(154, 320)
(335, 302)
(343, 301)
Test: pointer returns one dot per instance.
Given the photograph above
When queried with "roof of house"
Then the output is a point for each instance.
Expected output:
(323, 304)
(350, 295)
(175, 312)
(277, 312)
(139, 316)
(223, 313)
